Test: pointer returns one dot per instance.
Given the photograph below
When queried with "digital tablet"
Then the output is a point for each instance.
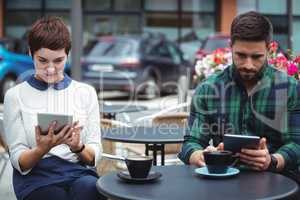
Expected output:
(45, 119)
(235, 143)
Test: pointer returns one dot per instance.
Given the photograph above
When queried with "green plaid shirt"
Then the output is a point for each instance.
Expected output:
(222, 105)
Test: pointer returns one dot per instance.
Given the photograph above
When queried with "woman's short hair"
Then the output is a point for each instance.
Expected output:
(251, 26)
(51, 33)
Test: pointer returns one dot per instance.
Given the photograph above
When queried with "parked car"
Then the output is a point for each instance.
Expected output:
(145, 65)
(212, 43)
(15, 64)
(12, 65)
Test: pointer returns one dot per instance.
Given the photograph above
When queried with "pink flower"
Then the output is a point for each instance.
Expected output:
(273, 47)
(272, 61)
(292, 69)
(297, 59)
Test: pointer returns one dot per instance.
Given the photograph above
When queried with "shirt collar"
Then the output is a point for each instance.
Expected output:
(41, 85)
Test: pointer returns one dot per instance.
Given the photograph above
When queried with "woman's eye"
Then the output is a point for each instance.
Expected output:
(43, 61)
(57, 61)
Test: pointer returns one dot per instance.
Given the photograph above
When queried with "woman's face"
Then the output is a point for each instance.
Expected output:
(49, 64)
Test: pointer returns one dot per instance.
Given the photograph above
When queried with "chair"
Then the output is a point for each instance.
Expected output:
(105, 166)
(178, 119)
(3, 150)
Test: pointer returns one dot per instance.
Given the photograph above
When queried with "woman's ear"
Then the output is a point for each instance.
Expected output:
(29, 52)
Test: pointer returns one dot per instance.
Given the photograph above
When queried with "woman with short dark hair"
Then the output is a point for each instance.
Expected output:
(52, 165)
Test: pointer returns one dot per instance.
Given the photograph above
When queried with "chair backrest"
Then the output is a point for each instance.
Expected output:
(105, 123)
(179, 118)
(2, 143)
(109, 123)
(109, 148)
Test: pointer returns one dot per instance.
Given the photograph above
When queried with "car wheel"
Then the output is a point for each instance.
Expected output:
(7, 83)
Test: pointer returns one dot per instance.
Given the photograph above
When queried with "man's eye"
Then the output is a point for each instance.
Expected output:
(243, 56)
(255, 57)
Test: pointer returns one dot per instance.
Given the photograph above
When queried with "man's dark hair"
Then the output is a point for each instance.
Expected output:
(251, 26)
(51, 33)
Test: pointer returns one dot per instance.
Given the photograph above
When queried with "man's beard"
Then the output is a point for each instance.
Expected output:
(249, 76)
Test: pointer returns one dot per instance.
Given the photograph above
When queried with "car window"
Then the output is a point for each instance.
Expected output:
(214, 44)
(111, 48)
(175, 54)
(160, 50)
(8, 44)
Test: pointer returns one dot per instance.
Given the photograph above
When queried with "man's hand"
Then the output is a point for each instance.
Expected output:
(197, 157)
(258, 159)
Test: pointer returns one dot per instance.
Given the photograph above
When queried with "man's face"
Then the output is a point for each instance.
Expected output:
(249, 58)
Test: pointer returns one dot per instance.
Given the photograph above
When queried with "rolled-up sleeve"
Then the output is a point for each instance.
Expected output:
(291, 138)
(14, 132)
(197, 136)
(92, 131)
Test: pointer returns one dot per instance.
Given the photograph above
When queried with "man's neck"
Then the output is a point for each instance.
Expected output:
(249, 85)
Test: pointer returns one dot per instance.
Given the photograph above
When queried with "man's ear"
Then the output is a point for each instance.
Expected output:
(230, 44)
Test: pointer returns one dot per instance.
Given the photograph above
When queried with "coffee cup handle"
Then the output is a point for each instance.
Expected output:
(235, 160)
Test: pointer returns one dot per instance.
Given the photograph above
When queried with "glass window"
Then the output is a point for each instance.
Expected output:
(65, 16)
(127, 5)
(196, 27)
(159, 5)
(276, 7)
(17, 23)
(174, 53)
(160, 50)
(126, 24)
(200, 25)
(162, 23)
(213, 44)
(20, 4)
(198, 5)
(295, 37)
(99, 25)
(280, 28)
(296, 7)
(58, 4)
(112, 48)
(245, 6)
(96, 4)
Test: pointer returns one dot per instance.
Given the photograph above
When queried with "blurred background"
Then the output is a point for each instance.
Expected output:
(136, 42)
(134, 48)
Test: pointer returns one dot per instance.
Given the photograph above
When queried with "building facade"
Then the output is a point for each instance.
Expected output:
(177, 19)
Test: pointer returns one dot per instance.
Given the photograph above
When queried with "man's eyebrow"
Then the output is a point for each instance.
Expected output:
(253, 54)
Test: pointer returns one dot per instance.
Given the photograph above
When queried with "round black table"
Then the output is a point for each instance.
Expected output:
(157, 136)
(181, 182)
(110, 111)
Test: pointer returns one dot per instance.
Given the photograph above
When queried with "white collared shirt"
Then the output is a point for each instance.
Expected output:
(23, 102)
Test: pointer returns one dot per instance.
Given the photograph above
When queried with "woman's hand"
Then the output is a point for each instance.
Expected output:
(73, 139)
(46, 142)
